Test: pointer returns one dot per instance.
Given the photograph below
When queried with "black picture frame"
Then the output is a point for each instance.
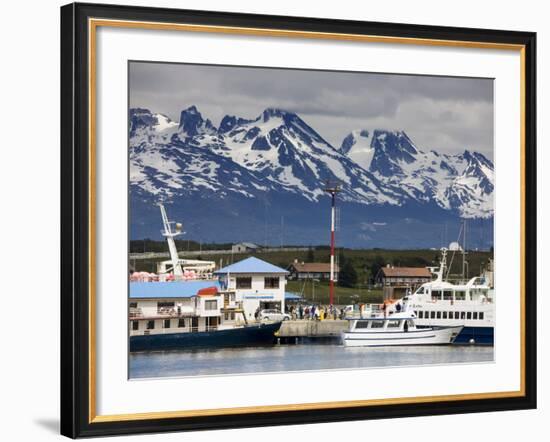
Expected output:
(76, 402)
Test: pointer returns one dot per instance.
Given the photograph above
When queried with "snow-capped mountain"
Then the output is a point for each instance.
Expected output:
(462, 182)
(278, 160)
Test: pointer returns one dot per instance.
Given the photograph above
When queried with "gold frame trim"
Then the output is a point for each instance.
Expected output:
(93, 24)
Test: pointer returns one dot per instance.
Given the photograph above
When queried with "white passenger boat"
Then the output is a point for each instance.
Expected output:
(469, 303)
(394, 329)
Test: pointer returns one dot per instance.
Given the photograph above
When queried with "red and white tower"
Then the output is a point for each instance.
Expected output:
(332, 189)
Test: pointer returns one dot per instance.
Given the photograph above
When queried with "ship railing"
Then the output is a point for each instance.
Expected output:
(136, 313)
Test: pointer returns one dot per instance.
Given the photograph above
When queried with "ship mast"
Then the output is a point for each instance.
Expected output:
(169, 234)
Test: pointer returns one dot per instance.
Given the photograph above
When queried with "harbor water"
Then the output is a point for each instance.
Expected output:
(300, 357)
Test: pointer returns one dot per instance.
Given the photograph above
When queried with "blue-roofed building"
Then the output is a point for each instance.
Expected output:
(258, 284)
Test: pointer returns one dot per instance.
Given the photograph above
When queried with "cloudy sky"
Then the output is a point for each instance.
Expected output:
(442, 113)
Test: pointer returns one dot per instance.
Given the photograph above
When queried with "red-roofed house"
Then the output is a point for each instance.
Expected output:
(397, 280)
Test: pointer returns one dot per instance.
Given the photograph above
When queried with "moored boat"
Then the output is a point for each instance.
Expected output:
(246, 335)
(468, 303)
(395, 329)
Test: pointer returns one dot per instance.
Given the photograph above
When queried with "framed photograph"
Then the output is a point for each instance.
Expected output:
(274, 220)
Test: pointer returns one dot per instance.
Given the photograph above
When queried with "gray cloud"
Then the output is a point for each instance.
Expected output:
(443, 113)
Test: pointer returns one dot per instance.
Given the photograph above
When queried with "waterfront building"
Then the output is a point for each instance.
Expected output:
(245, 247)
(397, 281)
(257, 285)
(311, 270)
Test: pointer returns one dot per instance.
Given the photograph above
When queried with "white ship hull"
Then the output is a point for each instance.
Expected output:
(429, 336)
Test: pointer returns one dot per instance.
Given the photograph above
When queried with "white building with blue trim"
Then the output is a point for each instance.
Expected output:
(257, 285)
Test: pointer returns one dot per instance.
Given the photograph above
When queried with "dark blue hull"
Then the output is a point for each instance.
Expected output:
(261, 334)
(476, 335)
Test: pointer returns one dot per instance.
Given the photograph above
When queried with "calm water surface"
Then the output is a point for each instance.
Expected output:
(296, 358)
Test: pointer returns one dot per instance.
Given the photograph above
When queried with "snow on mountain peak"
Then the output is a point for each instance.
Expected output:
(279, 151)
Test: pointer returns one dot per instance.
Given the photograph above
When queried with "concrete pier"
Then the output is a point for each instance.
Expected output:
(312, 329)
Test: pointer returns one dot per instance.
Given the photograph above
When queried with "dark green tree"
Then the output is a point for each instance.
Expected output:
(347, 276)
(310, 257)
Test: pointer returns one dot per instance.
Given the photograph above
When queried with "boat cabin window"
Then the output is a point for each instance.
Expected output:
(444, 315)
(460, 295)
(432, 315)
(475, 315)
(394, 323)
(410, 323)
(469, 315)
(438, 315)
(462, 315)
(165, 307)
(436, 295)
(447, 295)
(362, 324)
(457, 315)
(167, 323)
(150, 325)
(481, 315)
(377, 324)
(420, 291)
(421, 314)
(181, 323)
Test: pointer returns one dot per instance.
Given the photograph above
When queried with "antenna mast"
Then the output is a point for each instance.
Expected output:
(170, 235)
(332, 189)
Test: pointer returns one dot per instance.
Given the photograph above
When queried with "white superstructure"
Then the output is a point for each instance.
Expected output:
(441, 303)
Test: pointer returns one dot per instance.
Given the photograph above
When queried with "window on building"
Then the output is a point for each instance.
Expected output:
(150, 325)
(135, 325)
(133, 304)
(460, 295)
(211, 305)
(167, 323)
(226, 316)
(244, 282)
(232, 316)
(181, 323)
(271, 282)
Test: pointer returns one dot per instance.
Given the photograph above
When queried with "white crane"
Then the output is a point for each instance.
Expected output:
(170, 235)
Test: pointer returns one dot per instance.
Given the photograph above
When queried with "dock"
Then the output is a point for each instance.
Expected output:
(312, 329)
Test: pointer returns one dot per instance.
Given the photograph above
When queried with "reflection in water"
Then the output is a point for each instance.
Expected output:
(296, 358)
